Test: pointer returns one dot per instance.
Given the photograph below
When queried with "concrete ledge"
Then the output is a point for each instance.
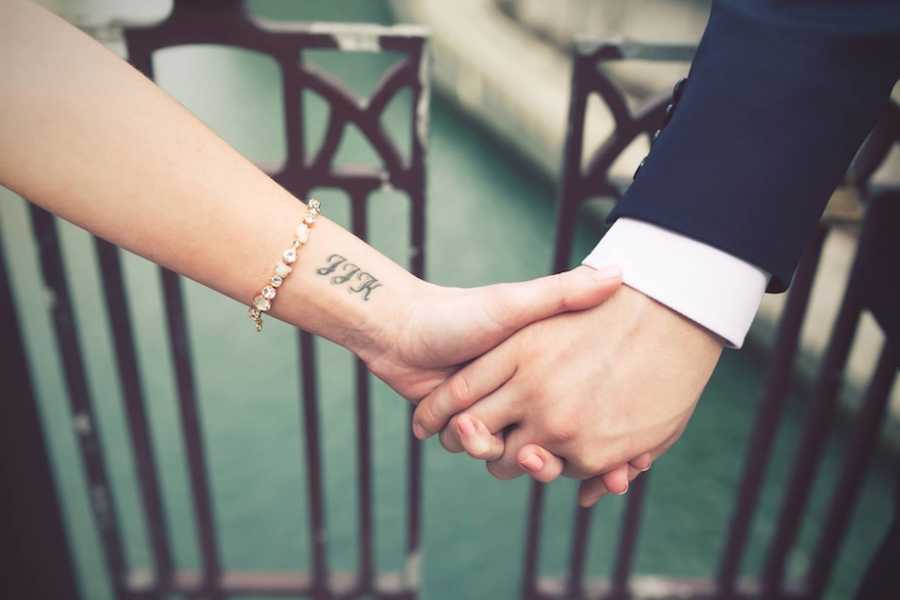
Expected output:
(517, 88)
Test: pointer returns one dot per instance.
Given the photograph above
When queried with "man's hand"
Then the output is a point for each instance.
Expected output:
(440, 329)
(596, 388)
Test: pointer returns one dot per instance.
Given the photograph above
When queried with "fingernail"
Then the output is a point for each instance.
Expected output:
(466, 426)
(607, 273)
(623, 492)
(532, 462)
(419, 431)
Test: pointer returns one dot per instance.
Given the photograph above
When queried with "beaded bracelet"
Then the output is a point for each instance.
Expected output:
(262, 302)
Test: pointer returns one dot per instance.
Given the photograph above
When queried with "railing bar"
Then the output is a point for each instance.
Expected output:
(759, 450)
(414, 506)
(81, 406)
(628, 539)
(364, 472)
(313, 454)
(136, 416)
(818, 425)
(182, 27)
(571, 192)
(363, 429)
(578, 557)
(847, 490)
(32, 521)
(140, 56)
(191, 430)
(882, 566)
(533, 541)
(292, 97)
(418, 130)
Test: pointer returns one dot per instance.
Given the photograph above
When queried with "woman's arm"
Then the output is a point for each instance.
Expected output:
(90, 139)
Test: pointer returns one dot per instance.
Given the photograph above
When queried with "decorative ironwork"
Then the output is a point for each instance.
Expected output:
(225, 23)
(582, 183)
(199, 22)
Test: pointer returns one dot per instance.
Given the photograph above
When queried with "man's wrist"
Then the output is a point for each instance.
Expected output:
(712, 288)
(673, 338)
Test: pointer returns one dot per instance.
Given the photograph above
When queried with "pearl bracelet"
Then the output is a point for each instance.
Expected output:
(262, 302)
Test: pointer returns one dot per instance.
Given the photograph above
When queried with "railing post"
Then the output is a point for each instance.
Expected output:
(31, 524)
(769, 416)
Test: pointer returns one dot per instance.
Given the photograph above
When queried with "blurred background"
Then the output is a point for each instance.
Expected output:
(501, 71)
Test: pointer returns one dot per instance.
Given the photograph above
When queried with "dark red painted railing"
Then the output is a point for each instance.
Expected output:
(203, 22)
(225, 23)
(580, 184)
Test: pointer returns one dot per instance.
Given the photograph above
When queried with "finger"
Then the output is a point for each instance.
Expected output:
(500, 409)
(616, 481)
(642, 463)
(450, 438)
(507, 466)
(463, 389)
(540, 463)
(475, 438)
(515, 305)
(591, 490)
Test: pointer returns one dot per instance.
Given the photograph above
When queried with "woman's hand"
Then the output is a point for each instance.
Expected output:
(597, 388)
(440, 329)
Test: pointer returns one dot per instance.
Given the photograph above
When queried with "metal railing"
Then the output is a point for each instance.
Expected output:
(581, 183)
(193, 22)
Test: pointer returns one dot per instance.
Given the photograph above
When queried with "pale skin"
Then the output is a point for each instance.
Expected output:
(88, 138)
(594, 388)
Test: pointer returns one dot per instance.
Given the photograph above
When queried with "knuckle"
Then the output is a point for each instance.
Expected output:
(589, 463)
(562, 297)
(427, 416)
(562, 430)
(480, 454)
(489, 452)
(459, 390)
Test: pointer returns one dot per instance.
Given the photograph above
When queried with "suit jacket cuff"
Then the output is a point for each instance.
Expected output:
(712, 288)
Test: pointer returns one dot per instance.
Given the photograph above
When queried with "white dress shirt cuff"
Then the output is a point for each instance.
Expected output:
(712, 288)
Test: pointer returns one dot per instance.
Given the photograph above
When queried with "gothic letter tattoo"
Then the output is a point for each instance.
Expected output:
(347, 271)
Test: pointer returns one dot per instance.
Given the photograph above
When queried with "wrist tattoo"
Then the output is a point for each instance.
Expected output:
(342, 272)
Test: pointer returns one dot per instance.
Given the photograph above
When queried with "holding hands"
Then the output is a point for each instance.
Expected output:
(570, 374)
(579, 394)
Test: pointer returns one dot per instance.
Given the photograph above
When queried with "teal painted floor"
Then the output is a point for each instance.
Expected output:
(489, 219)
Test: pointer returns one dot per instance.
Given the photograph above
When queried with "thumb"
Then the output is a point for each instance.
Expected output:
(518, 304)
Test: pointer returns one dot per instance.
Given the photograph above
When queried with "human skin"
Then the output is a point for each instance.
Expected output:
(594, 388)
(88, 138)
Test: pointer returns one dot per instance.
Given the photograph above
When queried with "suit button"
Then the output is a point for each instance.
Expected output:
(638, 170)
(670, 110)
(655, 136)
(678, 90)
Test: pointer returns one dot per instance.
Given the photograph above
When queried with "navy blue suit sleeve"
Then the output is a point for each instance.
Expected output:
(779, 98)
